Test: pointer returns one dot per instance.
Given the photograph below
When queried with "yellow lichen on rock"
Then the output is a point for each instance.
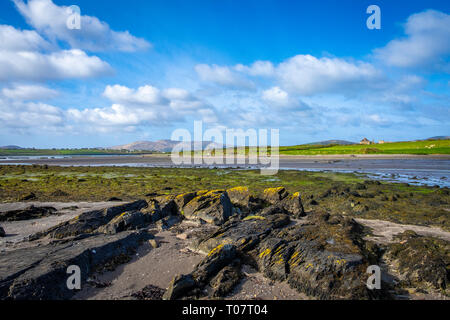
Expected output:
(216, 249)
(264, 253)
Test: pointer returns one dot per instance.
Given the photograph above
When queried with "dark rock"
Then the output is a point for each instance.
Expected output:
(30, 196)
(153, 211)
(182, 199)
(2, 232)
(423, 262)
(166, 205)
(274, 195)
(168, 222)
(129, 220)
(179, 286)
(88, 222)
(28, 213)
(239, 197)
(40, 273)
(225, 281)
(211, 206)
(114, 199)
(216, 260)
(149, 292)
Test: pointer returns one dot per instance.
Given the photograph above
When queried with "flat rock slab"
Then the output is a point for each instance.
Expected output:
(384, 231)
(41, 272)
(17, 231)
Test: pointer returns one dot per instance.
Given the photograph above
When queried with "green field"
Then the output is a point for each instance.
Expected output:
(409, 147)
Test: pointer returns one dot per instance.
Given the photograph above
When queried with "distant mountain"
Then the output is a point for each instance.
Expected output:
(11, 147)
(439, 138)
(164, 146)
(326, 142)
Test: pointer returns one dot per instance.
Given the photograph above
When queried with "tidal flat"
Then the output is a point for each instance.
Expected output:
(200, 233)
(344, 193)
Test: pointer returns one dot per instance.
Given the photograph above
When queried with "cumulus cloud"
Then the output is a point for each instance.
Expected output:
(31, 65)
(223, 76)
(29, 92)
(306, 74)
(143, 95)
(258, 68)
(13, 39)
(146, 105)
(26, 116)
(426, 42)
(94, 35)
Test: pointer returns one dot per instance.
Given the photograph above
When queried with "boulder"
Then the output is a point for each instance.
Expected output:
(179, 286)
(129, 220)
(216, 260)
(152, 211)
(239, 196)
(2, 232)
(274, 195)
(211, 206)
(225, 281)
(88, 222)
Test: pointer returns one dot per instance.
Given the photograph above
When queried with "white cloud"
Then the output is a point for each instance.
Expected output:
(258, 68)
(26, 116)
(305, 74)
(13, 39)
(94, 35)
(143, 95)
(426, 42)
(276, 96)
(29, 92)
(223, 76)
(146, 105)
(29, 65)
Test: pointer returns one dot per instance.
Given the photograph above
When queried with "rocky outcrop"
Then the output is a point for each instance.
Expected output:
(323, 256)
(422, 262)
(41, 272)
(89, 222)
(211, 206)
(28, 213)
(274, 195)
(126, 221)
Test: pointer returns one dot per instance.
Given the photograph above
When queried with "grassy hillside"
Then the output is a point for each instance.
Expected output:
(409, 147)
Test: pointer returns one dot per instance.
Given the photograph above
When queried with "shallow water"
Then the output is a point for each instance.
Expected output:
(430, 172)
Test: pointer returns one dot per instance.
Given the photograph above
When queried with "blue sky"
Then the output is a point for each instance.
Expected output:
(138, 70)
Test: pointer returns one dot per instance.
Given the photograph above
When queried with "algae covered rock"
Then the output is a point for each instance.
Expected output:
(179, 286)
(126, 221)
(423, 262)
(89, 222)
(211, 206)
(274, 195)
(239, 196)
(30, 212)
